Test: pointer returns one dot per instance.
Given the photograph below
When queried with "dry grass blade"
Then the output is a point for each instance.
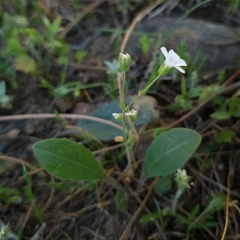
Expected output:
(87, 10)
(51, 115)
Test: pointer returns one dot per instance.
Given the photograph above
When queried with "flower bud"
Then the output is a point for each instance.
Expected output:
(182, 179)
(124, 61)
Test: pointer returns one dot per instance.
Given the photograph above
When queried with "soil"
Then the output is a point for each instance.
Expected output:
(82, 210)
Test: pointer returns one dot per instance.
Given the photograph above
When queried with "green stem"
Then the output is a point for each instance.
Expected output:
(142, 92)
(176, 198)
(124, 123)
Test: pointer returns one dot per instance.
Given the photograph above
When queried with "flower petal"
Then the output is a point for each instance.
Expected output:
(173, 55)
(164, 51)
(180, 69)
(181, 62)
(173, 60)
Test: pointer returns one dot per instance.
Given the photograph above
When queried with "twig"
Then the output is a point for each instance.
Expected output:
(39, 231)
(135, 215)
(138, 17)
(52, 115)
(232, 77)
(28, 214)
(87, 10)
(226, 207)
(135, 195)
(16, 160)
(50, 195)
(219, 185)
(107, 149)
(87, 208)
(197, 108)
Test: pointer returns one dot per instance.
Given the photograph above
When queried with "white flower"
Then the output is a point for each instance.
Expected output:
(116, 115)
(173, 60)
(131, 113)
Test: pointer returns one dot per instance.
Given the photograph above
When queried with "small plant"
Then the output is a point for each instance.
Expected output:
(145, 44)
(103, 158)
(29, 51)
(10, 195)
(5, 233)
(4, 99)
(233, 6)
(194, 220)
(189, 86)
(28, 189)
(80, 55)
(69, 160)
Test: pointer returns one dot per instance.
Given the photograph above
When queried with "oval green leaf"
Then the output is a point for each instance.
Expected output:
(151, 216)
(121, 200)
(68, 160)
(222, 115)
(170, 151)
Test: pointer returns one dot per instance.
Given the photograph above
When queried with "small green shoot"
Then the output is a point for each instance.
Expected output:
(80, 55)
(29, 193)
(193, 221)
(4, 99)
(10, 195)
(225, 136)
(145, 43)
(121, 200)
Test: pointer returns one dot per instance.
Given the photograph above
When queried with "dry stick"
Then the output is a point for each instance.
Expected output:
(232, 77)
(63, 215)
(39, 231)
(139, 16)
(30, 173)
(134, 194)
(52, 115)
(50, 195)
(226, 207)
(107, 149)
(197, 108)
(16, 160)
(70, 197)
(135, 215)
(87, 10)
(28, 214)
(33, 172)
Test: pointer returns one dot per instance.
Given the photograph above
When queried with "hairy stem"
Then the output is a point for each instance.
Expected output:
(124, 123)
